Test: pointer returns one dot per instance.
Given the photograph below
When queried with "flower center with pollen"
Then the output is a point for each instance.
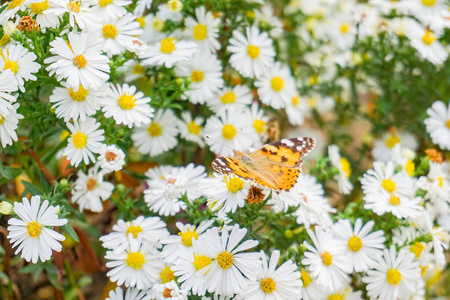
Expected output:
(268, 285)
(194, 128)
(134, 230)
(80, 95)
(79, 140)
(135, 260)
(228, 131)
(103, 3)
(228, 98)
(277, 84)
(167, 45)
(327, 258)
(345, 165)
(259, 126)
(305, 277)
(167, 293)
(393, 276)
(234, 184)
(167, 275)
(336, 297)
(200, 32)
(39, 7)
(12, 65)
(91, 184)
(447, 123)
(388, 185)
(428, 2)
(34, 229)
(253, 51)
(428, 38)
(354, 243)
(225, 259)
(110, 156)
(197, 76)
(392, 141)
(127, 101)
(80, 61)
(154, 129)
(14, 3)
(109, 31)
(186, 237)
(201, 261)
(74, 6)
(417, 248)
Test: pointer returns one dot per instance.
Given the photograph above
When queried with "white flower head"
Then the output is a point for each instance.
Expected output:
(191, 128)
(8, 125)
(168, 52)
(204, 29)
(111, 158)
(80, 13)
(438, 124)
(130, 294)
(342, 164)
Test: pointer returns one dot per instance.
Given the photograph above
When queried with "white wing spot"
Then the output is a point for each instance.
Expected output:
(287, 142)
(299, 148)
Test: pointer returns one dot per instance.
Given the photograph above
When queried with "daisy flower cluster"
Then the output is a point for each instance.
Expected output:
(111, 112)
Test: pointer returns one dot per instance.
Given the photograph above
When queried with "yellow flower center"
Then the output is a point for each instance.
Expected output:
(228, 131)
(2, 119)
(277, 83)
(79, 140)
(167, 293)
(4, 40)
(228, 98)
(253, 51)
(327, 258)
(417, 248)
(225, 259)
(104, 3)
(234, 184)
(312, 102)
(345, 165)
(428, 38)
(186, 237)
(127, 101)
(410, 167)
(34, 229)
(141, 21)
(91, 184)
(79, 61)
(336, 297)
(80, 95)
(268, 285)
(344, 28)
(201, 261)
(39, 7)
(392, 141)
(74, 6)
(194, 128)
(174, 5)
(12, 65)
(158, 24)
(109, 31)
(423, 271)
(167, 45)
(259, 126)
(14, 3)
(388, 185)
(134, 230)
(138, 69)
(394, 200)
(393, 276)
(200, 32)
(440, 181)
(135, 260)
(197, 76)
(154, 129)
(295, 100)
(447, 123)
(305, 277)
(428, 2)
(314, 79)
(354, 243)
(166, 275)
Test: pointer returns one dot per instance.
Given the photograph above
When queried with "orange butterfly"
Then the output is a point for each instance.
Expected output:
(275, 166)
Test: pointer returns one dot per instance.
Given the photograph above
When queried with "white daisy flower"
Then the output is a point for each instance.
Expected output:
(403, 157)
(30, 232)
(320, 103)
(141, 6)
(153, 27)
(361, 245)
(265, 17)
(260, 122)
(84, 140)
(178, 247)
(273, 283)
(79, 12)
(297, 109)
(342, 31)
(382, 148)
(89, 190)
(38, 7)
(438, 124)
(310, 289)
(79, 61)
(8, 125)
(8, 85)
(167, 290)
(137, 266)
(149, 230)
(225, 192)
(204, 30)
(158, 137)
(21, 62)
(399, 205)
(237, 97)
(110, 8)
(171, 10)
(251, 55)
(78, 105)
(130, 294)
(111, 158)
(426, 43)
(325, 260)
(393, 276)
(230, 266)
(116, 32)
(168, 52)
(429, 12)
(167, 186)
(191, 129)
(205, 71)
(127, 106)
(345, 293)
(229, 130)
(342, 164)
(438, 187)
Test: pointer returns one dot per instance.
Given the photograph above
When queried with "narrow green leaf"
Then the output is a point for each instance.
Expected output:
(69, 230)
(31, 188)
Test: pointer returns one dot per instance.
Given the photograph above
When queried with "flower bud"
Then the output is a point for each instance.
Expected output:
(6, 208)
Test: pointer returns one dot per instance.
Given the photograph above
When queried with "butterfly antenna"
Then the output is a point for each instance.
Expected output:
(209, 138)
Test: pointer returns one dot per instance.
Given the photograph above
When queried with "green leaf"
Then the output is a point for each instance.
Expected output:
(11, 150)
(45, 184)
(31, 188)
(52, 276)
(3, 276)
(69, 230)
(31, 269)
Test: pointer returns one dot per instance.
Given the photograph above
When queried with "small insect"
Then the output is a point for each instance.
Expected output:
(275, 166)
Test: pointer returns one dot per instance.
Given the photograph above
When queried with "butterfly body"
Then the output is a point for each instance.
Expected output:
(275, 166)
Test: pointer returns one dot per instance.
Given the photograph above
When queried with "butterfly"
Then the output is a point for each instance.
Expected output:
(275, 166)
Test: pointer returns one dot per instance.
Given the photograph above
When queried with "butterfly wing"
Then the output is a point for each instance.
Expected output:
(231, 165)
